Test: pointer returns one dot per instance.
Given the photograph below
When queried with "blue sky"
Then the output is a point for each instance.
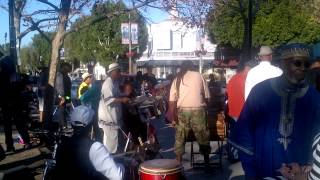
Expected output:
(152, 15)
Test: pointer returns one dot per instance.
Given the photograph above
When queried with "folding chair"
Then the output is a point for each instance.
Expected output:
(217, 130)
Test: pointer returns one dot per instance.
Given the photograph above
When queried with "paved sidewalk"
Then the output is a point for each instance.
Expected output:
(33, 158)
(166, 139)
(23, 161)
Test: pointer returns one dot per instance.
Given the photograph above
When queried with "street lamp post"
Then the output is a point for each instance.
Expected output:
(40, 61)
(200, 53)
(130, 46)
(200, 64)
(130, 36)
(5, 41)
(249, 29)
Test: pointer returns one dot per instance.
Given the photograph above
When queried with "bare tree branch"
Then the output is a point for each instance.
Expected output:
(108, 15)
(19, 5)
(50, 4)
(44, 20)
(34, 25)
(190, 12)
(43, 34)
(80, 6)
(4, 7)
(47, 11)
(25, 32)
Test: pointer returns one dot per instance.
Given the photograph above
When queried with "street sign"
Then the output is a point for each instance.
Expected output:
(62, 54)
(125, 33)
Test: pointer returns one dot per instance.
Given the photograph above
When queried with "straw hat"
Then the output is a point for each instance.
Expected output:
(85, 76)
(265, 50)
(113, 66)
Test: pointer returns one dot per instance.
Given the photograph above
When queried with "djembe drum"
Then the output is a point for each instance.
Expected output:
(161, 169)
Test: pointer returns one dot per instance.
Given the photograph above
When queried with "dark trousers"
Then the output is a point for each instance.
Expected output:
(13, 115)
(96, 130)
(232, 151)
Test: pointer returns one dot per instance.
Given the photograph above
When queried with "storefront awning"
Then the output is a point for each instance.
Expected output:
(170, 63)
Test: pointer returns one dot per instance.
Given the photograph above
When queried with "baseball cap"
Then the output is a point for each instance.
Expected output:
(265, 50)
(81, 116)
(85, 76)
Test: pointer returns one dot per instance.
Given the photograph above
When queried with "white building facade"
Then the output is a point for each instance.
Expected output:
(170, 43)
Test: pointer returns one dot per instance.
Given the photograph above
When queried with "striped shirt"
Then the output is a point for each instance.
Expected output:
(315, 172)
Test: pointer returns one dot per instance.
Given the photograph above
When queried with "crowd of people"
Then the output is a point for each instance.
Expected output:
(272, 111)
(14, 102)
(111, 121)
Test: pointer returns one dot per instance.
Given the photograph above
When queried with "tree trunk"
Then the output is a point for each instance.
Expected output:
(17, 22)
(244, 50)
(19, 5)
(55, 48)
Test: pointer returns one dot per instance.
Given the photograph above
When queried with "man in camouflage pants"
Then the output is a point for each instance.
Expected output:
(196, 121)
(189, 95)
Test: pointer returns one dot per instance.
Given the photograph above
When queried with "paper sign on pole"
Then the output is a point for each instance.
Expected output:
(125, 33)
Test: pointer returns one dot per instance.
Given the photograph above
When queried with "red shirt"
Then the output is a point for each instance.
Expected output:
(235, 90)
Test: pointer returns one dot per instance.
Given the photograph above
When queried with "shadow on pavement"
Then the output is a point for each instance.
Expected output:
(24, 161)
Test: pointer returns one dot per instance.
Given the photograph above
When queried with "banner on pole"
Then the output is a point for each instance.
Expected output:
(125, 33)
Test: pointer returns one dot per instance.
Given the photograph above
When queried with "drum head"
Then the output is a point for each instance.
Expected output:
(160, 166)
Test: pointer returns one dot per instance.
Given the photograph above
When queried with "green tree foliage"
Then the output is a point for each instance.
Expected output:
(5, 48)
(29, 60)
(225, 24)
(42, 47)
(102, 40)
(38, 49)
(275, 22)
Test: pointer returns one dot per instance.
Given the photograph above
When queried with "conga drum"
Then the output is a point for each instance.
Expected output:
(161, 169)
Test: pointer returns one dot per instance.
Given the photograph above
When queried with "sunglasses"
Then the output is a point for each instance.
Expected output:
(299, 63)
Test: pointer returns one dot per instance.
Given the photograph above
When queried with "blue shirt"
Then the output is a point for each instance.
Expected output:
(276, 127)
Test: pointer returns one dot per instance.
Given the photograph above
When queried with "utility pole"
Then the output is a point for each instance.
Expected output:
(5, 41)
(130, 45)
(249, 43)
(12, 35)
(201, 52)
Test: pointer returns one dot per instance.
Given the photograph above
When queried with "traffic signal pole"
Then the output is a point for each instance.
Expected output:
(12, 35)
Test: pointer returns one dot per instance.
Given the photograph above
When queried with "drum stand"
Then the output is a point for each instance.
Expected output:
(128, 137)
(152, 142)
(219, 152)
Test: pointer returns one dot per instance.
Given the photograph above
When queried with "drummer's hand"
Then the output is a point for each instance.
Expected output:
(125, 100)
(285, 171)
(295, 168)
(68, 105)
(173, 123)
(134, 163)
(62, 101)
(306, 168)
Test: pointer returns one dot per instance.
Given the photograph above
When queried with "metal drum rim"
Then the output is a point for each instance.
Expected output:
(160, 172)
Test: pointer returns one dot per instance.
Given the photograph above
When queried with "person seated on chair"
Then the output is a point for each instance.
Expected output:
(131, 118)
(83, 158)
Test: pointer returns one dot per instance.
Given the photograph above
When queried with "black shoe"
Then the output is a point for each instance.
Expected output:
(206, 159)
(27, 146)
(208, 169)
(10, 149)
